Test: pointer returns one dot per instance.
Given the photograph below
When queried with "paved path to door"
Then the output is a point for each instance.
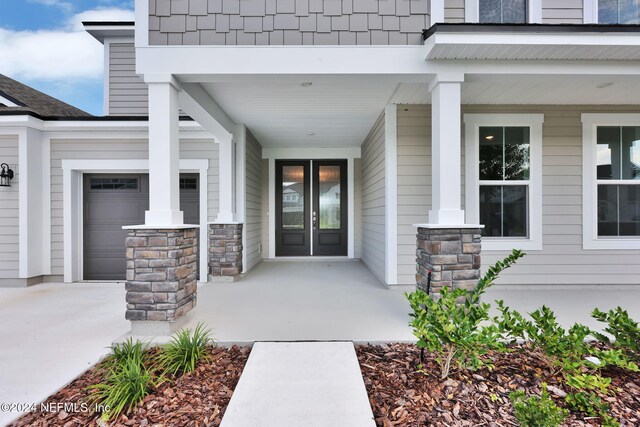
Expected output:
(51, 333)
(305, 384)
(317, 300)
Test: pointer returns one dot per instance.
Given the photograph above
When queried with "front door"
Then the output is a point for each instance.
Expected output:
(311, 208)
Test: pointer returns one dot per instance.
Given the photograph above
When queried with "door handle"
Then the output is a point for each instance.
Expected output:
(314, 218)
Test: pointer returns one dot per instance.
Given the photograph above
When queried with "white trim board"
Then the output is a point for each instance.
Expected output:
(72, 170)
(273, 154)
(391, 194)
(590, 123)
(472, 190)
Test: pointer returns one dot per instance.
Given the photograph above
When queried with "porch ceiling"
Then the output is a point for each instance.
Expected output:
(282, 113)
(340, 112)
(533, 90)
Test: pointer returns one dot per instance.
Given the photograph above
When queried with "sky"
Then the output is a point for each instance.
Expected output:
(43, 45)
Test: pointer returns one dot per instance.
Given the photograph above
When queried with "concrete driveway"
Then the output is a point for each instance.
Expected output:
(51, 333)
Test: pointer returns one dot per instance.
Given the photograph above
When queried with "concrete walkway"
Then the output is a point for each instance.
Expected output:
(51, 333)
(304, 300)
(300, 385)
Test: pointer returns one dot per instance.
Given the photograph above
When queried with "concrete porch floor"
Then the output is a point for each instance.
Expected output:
(318, 300)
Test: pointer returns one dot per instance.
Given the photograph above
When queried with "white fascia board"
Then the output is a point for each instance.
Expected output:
(22, 122)
(7, 102)
(221, 61)
(407, 63)
(537, 39)
(103, 32)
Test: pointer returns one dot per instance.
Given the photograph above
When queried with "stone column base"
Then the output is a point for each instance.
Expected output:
(452, 255)
(225, 252)
(162, 268)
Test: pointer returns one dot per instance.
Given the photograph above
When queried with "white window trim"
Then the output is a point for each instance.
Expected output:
(534, 11)
(590, 12)
(590, 239)
(472, 187)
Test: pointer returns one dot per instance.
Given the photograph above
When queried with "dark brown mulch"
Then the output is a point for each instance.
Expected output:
(401, 396)
(198, 398)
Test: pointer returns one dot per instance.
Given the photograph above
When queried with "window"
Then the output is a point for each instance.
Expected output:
(611, 169)
(114, 184)
(618, 12)
(503, 179)
(502, 11)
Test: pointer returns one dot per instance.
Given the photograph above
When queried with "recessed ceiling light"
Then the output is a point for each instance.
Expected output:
(603, 85)
(311, 133)
(306, 84)
(489, 137)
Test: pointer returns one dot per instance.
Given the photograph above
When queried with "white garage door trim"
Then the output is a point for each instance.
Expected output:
(72, 171)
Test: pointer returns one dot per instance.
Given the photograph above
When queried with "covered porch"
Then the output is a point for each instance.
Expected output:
(397, 118)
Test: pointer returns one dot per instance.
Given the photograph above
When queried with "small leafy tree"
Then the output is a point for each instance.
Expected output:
(452, 330)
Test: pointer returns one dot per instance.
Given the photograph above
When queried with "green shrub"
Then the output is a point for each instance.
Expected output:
(537, 411)
(624, 330)
(184, 351)
(126, 382)
(545, 333)
(127, 350)
(452, 330)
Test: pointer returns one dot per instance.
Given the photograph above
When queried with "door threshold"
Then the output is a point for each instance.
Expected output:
(309, 258)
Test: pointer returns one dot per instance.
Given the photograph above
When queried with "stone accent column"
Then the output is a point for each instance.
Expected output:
(451, 254)
(225, 252)
(162, 266)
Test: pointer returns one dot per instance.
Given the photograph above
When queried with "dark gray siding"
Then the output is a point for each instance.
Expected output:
(287, 22)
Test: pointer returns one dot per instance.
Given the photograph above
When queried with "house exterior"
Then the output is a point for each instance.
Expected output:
(239, 131)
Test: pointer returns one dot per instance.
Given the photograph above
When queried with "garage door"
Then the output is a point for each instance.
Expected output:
(112, 201)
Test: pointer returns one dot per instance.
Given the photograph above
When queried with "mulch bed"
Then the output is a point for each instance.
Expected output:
(198, 398)
(401, 396)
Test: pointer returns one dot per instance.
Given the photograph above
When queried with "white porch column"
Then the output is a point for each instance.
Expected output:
(445, 143)
(164, 152)
(226, 153)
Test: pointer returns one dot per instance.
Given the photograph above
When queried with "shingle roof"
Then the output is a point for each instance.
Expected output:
(33, 101)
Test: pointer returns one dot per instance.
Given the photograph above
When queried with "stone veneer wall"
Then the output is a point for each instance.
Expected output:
(225, 249)
(162, 270)
(451, 254)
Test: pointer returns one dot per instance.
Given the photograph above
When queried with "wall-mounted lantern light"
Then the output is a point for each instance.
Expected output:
(6, 175)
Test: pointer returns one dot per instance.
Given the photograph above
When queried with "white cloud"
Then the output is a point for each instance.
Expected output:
(63, 54)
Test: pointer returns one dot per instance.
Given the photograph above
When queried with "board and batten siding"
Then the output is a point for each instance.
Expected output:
(562, 11)
(454, 11)
(373, 199)
(253, 202)
(115, 150)
(562, 260)
(9, 200)
(128, 93)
